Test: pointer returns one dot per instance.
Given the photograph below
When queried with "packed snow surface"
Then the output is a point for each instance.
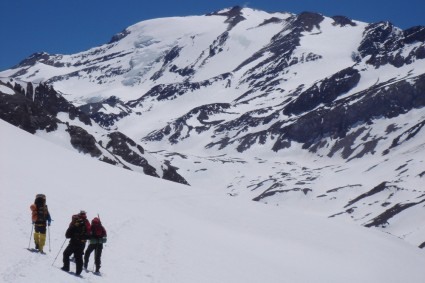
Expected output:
(160, 231)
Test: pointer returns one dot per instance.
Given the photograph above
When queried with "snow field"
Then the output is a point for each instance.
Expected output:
(159, 231)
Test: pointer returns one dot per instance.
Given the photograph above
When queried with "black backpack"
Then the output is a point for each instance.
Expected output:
(80, 230)
(41, 207)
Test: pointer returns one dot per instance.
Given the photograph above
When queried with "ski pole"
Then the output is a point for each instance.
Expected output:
(29, 243)
(59, 252)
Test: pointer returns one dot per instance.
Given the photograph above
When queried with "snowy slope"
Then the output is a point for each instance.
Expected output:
(321, 114)
(163, 232)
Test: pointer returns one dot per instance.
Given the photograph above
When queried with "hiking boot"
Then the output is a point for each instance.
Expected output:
(66, 269)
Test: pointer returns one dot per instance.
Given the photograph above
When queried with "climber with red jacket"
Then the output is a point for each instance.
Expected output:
(97, 239)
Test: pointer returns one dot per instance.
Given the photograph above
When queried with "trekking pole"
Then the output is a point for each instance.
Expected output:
(48, 229)
(29, 243)
(59, 252)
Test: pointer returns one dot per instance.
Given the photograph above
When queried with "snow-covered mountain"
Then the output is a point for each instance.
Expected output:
(324, 114)
(164, 232)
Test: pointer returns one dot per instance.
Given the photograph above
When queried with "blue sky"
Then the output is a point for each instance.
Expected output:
(66, 27)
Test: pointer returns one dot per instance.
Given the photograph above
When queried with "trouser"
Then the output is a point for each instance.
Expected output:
(76, 248)
(39, 236)
(97, 248)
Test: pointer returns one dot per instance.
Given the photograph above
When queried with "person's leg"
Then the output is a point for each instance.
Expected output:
(40, 237)
(79, 251)
(97, 256)
(66, 254)
(36, 240)
(41, 242)
(87, 254)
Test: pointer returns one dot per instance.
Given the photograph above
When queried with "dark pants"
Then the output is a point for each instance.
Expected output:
(97, 248)
(40, 228)
(76, 248)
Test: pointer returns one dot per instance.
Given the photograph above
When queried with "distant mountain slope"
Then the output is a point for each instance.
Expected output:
(323, 113)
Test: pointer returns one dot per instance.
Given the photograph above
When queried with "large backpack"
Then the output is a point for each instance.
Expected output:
(76, 221)
(39, 209)
(40, 200)
(80, 226)
(97, 229)
(83, 216)
(98, 232)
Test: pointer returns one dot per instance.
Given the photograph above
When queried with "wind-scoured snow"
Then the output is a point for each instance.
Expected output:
(159, 231)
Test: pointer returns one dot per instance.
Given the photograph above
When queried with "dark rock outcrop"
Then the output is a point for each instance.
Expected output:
(384, 44)
(343, 21)
(175, 129)
(382, 219)
(84, 142)
(379, 101)
(131, 152)
(325, 91)
(234, 16)
(25, 114)
(21, 111)
(102, 116)
(124, 147)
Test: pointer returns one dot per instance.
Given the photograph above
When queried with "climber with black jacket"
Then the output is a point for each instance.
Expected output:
(78, 234)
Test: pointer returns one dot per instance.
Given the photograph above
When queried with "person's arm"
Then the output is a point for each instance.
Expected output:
(69, 232)
(49, 219)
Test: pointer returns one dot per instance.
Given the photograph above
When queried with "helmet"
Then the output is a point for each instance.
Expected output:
(83, 214)
(95, 221)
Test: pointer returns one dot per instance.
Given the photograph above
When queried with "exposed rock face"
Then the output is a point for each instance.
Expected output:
(124, 147)
(384, 44)
(307, 21)
(382, 219)
(234, 16)
(102, 116)
(325, 91)
(22, 112)
(379, 101)
(53, 103)
(83, 141)
(175, 129)
(343, 21)
(170, 173)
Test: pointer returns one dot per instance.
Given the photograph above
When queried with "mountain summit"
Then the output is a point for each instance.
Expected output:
(320, 113)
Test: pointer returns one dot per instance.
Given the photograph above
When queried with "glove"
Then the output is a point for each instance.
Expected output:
(48, 222)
